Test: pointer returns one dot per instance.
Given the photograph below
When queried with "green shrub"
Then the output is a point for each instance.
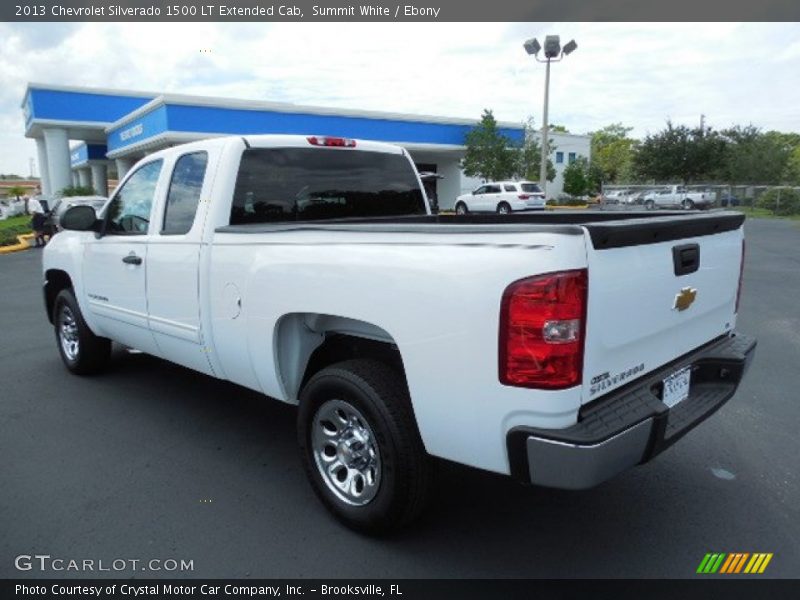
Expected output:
(552, 202)
(8, 235)
(781, 201)
(573, 201)
(78, 190)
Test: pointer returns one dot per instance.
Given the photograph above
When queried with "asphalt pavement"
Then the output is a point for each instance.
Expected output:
(151, 460)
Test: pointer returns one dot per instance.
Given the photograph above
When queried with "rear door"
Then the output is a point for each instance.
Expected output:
(174, 262)
(652, 301)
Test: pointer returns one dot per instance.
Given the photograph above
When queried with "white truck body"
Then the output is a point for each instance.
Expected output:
(677, 196)
(251, 303)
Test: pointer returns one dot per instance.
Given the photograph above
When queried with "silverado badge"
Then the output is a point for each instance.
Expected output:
(684, 299)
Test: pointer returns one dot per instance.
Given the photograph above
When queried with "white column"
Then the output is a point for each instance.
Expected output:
(58, 160)
(100, 179)
(44, 174)
(123, 166)
(74, 178)
(84, 177)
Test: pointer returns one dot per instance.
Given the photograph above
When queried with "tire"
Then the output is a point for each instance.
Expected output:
(650, 205)
(359, 411)
(504, 208)
(82, 351)
(461, 209)
(687, 204)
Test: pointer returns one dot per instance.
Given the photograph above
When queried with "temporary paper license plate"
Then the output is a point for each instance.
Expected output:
(676, 387)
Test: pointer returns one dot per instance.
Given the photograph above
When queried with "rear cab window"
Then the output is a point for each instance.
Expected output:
(312, 184)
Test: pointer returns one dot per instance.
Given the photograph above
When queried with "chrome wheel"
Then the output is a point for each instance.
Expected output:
(68, 333)
(346, 452)
(461, 209)
(503, 209)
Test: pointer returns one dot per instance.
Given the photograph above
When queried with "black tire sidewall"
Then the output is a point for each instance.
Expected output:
(387, 505)
(92, 351)
(501, 205)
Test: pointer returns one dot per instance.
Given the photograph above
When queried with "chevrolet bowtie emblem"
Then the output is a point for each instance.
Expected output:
(684, 299)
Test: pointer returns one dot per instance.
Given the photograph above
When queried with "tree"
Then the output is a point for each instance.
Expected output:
(490, 155)
(613, 152)
(577, 177)
(529, 156)
(792, 170)
(683, 153)
(752, 156)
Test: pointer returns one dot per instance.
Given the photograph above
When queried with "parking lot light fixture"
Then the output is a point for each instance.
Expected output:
(553, 52)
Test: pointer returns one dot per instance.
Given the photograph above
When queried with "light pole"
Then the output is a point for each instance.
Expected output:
(553, 52)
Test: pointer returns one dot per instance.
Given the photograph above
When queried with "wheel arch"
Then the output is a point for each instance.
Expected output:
(55, 280)
(305, 343)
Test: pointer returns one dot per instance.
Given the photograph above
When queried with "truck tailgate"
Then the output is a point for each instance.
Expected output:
(658, 288)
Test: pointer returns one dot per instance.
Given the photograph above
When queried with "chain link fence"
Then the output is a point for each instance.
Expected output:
(778, 199)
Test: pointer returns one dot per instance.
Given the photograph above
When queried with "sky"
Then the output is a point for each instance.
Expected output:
(639, 74)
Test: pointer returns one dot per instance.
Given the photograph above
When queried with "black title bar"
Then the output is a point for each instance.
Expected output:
(416, 11)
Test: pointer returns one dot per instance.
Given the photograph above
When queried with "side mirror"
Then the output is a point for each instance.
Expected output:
(80, 218)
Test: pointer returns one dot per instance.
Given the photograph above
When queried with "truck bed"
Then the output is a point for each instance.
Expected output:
(606, 229)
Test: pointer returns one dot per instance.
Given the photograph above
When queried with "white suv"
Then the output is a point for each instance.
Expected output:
(502, 197)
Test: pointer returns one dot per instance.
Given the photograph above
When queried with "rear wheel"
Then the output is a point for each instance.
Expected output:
(503, 208)
(461, 209)
(360, 446)
(81, 350)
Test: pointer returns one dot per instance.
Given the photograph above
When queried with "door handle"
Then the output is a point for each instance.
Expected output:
(132, 259)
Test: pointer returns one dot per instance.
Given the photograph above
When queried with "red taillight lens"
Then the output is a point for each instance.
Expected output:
(523, 196)
(331, 141)
(741, 275)
(542, 327)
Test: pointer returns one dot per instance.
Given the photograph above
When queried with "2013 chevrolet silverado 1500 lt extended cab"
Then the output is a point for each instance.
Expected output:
(560, 349)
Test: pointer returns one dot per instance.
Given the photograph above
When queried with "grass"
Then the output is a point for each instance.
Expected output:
(12, 227)
(763, 213)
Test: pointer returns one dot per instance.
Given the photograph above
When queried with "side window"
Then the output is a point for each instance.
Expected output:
(129, 211)
(509, 188)
(184, 193)
(480, 190)
(572, 157)
(492, 189)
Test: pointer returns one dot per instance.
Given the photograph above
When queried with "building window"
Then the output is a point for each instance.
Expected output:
(571, 157)
(559, 158)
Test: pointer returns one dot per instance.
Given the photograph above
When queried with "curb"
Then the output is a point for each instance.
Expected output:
(578, 207)
(22, 244)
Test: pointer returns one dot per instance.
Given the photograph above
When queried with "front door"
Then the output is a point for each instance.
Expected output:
(115, 265)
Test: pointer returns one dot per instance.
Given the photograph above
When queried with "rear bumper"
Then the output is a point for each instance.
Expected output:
(630, 425)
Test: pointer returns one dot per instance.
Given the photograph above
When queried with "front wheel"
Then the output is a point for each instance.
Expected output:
(81, 350)
(650, 205)
(360, 445)
(503, 208)
(687, 204)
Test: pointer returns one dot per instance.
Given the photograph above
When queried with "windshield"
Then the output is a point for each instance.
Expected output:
(310, 184)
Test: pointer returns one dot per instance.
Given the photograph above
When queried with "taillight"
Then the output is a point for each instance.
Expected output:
(741, 276)
(542, 329)
(331, 141)
(523, 196)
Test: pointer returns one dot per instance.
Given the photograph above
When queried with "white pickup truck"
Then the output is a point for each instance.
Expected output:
(559, 348)
(677, 196)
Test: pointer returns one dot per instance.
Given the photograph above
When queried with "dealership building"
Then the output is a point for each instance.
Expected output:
(84, 133)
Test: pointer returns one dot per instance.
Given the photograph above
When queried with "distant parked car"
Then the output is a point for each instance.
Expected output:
(677, 196)
(63, 204)
(502, 197)
(728, 200)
